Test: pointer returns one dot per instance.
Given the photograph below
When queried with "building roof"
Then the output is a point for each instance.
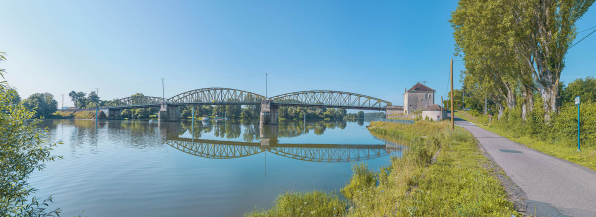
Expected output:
(420, 87)
(434, 107)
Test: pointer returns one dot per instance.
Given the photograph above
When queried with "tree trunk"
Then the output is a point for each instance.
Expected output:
(528, 104)
(550, 98)
(485, 107)
(501, 109)
(510, 98)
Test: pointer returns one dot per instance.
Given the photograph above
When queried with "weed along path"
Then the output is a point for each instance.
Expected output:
(553, 187)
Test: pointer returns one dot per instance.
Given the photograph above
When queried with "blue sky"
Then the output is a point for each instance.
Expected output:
(376, 48)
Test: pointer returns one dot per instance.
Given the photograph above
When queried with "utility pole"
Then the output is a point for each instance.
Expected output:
(266, 85)
(442, 105)
(97, 93)
(452, 121)
(163, 95)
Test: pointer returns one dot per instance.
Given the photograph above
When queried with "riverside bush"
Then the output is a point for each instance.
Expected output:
(562, 128)
(564, 125)
(23, 149)
(314, 203)
(362, 179)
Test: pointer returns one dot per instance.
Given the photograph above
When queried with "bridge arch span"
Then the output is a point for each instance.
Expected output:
(330, 98)
(216, 95)
(136, 102)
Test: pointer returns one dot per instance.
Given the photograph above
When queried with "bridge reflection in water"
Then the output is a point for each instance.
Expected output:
(216, 149)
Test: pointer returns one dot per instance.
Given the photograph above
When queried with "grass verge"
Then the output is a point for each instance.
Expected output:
(442, 173)
(560, 149)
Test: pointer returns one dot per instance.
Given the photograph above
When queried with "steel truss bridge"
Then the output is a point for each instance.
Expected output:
(228, 96)
(306, 152)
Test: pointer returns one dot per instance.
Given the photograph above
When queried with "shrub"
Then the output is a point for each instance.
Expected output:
(314, 203)
(362, 179)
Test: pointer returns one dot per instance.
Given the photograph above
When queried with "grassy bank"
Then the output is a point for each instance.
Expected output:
(441, 173)
(562, 146)
(76, 115)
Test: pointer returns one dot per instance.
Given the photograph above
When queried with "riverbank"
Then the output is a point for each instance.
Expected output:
(443, 173)
(66, 114)
(563, 148)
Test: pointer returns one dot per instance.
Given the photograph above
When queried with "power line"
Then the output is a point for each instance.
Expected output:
(583, 38)
(335, 79)
(587, 29)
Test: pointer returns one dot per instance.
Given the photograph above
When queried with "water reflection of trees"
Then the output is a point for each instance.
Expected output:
(250, 130)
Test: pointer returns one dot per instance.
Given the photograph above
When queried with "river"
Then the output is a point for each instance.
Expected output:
(146, 168)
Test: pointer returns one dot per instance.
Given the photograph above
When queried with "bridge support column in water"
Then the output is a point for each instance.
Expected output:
(169, 113)
(114, 114)
(268, 113)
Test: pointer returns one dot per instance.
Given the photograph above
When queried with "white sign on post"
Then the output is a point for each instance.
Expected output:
(577, 100)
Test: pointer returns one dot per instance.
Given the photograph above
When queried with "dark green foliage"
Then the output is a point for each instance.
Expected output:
(585, 88)
(23, 149)
(561, 130)
(140, 113)
(93, 98)
(43, 104)
(91, 101)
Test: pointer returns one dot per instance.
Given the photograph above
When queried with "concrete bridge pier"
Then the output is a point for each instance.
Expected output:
(268, 113)
(268, 136)
(168, 113)
(114, 114)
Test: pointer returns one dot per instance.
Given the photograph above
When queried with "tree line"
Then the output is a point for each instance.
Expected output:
(44, 105)
(40, 104)
(514, 50)
(475, 100)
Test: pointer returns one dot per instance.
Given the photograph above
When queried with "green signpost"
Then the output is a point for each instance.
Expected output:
(577, 102)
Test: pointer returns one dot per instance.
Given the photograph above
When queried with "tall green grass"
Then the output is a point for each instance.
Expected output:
(456, 184)
(314, 203)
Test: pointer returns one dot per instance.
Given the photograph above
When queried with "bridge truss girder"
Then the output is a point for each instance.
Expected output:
(216, 95)
(330, 98)
(327, 153)
(137, 102)
(215, 151)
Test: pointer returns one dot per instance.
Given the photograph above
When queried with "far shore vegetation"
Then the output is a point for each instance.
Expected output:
(442, 173)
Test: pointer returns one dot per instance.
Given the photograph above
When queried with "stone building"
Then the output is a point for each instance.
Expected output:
(434, 112)
(418, 97)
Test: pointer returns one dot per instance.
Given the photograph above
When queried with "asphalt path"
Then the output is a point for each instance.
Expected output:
(553, 187)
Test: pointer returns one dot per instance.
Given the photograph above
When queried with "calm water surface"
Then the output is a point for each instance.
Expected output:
(146, 168)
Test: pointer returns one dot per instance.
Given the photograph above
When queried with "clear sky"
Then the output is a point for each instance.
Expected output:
(376, 48)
